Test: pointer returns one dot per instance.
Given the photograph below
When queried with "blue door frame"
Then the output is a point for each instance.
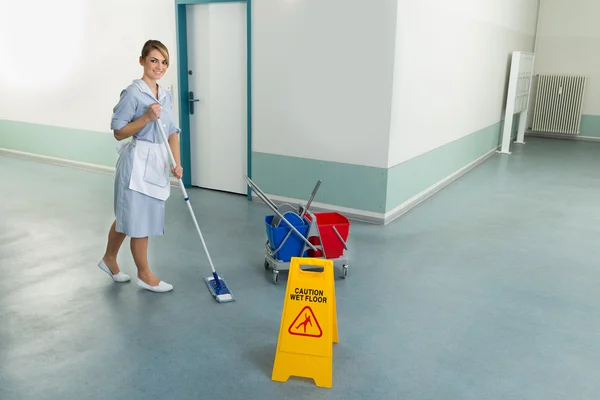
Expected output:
(183, 83)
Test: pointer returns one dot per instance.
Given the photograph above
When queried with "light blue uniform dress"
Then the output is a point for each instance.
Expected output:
(137, 214)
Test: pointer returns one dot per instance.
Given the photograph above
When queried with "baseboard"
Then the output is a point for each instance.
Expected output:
(66, 163)
(350, 213)
(58, 161)
(430, 191)
(559, 136)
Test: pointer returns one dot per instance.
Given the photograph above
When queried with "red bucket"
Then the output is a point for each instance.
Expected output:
(332, 245)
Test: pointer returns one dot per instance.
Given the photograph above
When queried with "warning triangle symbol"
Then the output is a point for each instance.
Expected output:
(306, 324)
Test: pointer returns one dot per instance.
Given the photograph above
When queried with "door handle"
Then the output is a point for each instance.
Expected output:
(192, 100)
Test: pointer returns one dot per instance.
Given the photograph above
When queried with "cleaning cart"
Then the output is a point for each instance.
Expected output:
(327, 232)
(302, 233)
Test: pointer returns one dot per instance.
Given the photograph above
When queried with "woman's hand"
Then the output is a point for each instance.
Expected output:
(153, 111)
(177, 171)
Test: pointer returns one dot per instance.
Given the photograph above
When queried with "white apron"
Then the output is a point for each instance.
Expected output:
(150, 172)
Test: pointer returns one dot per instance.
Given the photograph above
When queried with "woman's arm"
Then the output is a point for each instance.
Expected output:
(135, 126)
(132, 128)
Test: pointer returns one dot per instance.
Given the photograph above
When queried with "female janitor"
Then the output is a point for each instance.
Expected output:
(142, 183)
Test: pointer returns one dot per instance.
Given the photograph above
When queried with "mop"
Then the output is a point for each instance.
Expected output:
(216, 284)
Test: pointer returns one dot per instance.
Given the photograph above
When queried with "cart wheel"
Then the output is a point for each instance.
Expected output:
(275, 276)
(344, 271)
(266, 264)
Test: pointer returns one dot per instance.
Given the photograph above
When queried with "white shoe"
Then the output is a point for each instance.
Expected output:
(120, 277)
(160, 288)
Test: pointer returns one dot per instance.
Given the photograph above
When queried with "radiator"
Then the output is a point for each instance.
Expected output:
(558, 104)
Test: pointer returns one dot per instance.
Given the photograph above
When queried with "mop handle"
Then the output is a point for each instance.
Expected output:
(185, 195)
(171, 157)
(281, 216)
(304, 211)
(312, 196)
(340, 237)
(261, 194)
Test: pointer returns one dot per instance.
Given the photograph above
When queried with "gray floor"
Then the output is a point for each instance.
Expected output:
(488, 290)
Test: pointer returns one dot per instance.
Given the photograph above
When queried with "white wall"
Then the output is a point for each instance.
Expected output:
(325, 76)
(451, 69)
(322, 78)
(64, 62)
(569, 43)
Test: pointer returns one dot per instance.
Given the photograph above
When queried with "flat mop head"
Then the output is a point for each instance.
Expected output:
(218, 288)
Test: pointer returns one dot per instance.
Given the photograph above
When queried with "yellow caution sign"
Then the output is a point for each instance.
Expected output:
(308, 324)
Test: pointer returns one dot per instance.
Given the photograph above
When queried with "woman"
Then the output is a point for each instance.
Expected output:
(142, 173)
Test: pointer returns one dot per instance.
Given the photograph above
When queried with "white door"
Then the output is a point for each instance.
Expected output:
(217, 68)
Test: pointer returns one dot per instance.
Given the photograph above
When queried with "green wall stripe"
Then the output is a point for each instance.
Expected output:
(590, 126)
(416, 175)
(55, 141)
(346, 185)
(410, 178)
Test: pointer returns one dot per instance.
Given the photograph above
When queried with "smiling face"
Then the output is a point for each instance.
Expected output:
(154, 59)
(155, 65)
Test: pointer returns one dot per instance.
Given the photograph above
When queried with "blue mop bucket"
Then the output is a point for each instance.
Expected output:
(294, 244)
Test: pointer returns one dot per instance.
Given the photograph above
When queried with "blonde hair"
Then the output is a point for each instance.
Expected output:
(155, 45)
